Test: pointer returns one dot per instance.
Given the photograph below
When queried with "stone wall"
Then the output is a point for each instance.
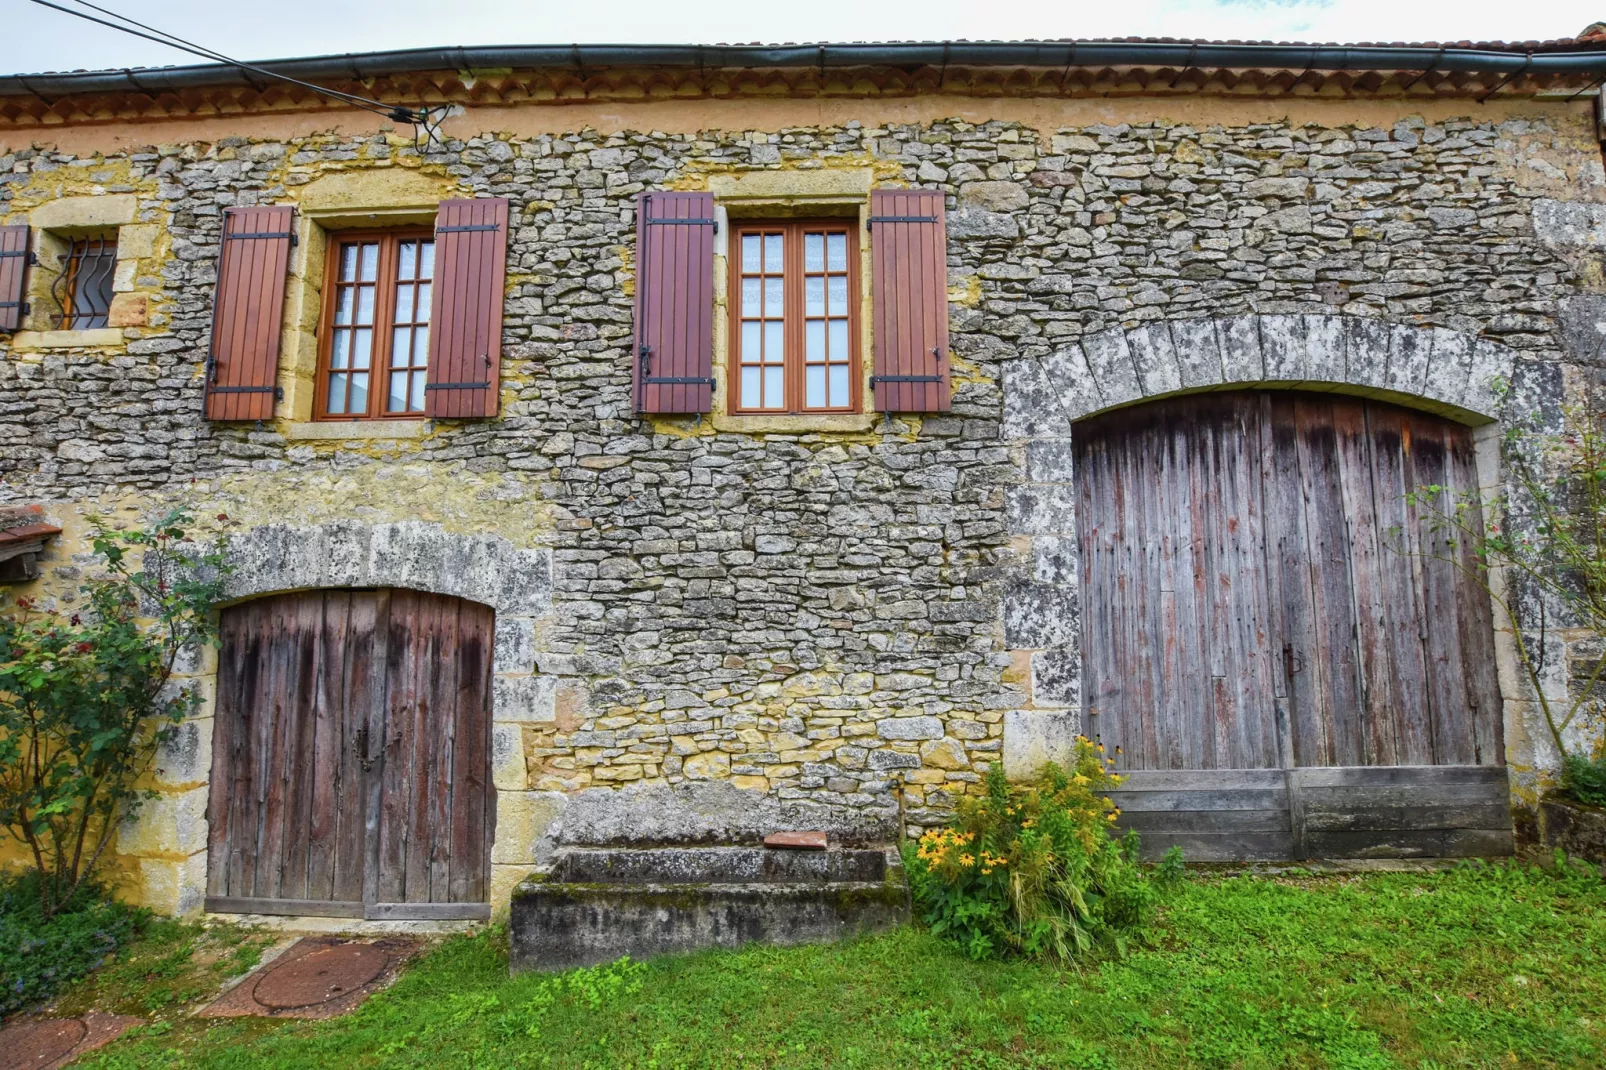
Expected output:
(848, 622)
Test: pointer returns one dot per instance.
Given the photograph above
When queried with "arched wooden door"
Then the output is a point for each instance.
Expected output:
(1287, 656)
(351, 757)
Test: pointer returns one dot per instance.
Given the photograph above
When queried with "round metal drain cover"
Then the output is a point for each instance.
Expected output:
(320, 976)
(39, 1043)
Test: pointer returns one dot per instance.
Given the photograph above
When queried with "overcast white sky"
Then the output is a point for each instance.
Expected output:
(40, 39)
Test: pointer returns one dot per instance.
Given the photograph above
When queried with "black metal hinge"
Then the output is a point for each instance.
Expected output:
(902, 219)
(276, 391)
(677, 380)
(32, 259)
(15, 304)
(460, 230)
(243, 235)
(874, 379)
(456, 386)
(685, 223)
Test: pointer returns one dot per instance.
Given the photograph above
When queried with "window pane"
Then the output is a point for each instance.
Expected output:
(774, 387)
(840, 394)
(404, 303)
(421, 346)
(338, 346)
(774, 256)
(359, 393)
(814, 296)
(370, 263)
(752, 351)
(343, 301)
(348, 263)
(774, 297)
(839, 295)
(774, 342)
(401, 352)
(407, 264)
(363, 347)
(337, 392)
(426, 270)
(839, 340)
(365, 304)
(814, 341)
(751, 291)
(814, 387)
(750, 260)
(838, 252)
(814, 252)
(424, 290)
(750, 387)
(397, 401)
(416, 404)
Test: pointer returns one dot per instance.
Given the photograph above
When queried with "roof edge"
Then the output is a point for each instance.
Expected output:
(361, 66)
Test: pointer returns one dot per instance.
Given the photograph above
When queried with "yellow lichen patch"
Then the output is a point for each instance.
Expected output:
(967, 293)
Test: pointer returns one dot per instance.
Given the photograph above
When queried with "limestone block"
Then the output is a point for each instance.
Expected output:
(509, 771)
(1033, 738)
(714, 811)
(887, 759)
(128, 310)
(85, 213)
(172, 825)
(524, 826)
(186, 758)
(909, 728)
(515, 645)
(1583, 328)
(1409, 351)
(944, 753)
(171, 886)
(1238, 338)
(1366, 351)
(1038, 615)
(123, 275)
(571, 704)
(709, 765)
(968, 222)
(1282, 347)
(1055, 560)
(1031, 403)
(1488, 376)
(1069, 373)
(1198, 353)
(1448, 366)
(1057, 677)
(1050, 460)
(1110, 361)
(1569, 225)
(525, 582)
(1324, 348)
(1154, 358)
(994, 196)
(137, 241)
(523, 699)
(1538, 394)
(1041, 508)
(504, 879)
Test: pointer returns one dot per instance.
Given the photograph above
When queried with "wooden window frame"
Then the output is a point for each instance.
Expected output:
(385, 282)
(794, 314)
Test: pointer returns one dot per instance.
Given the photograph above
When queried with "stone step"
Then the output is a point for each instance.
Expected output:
(598, 904)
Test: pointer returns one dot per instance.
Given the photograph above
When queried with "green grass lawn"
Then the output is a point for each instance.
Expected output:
(1477, 966)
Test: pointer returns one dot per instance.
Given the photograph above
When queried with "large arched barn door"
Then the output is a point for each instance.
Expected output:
(351, 757)
(1288, 657)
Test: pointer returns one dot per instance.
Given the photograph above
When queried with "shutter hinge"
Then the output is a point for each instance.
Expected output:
(685, 223)
(23, 305)
(460, 230)
(678, 380)
(456, 386)
(276, 391)
(902, 219)
(874, 379)
(33, 258)
(245, 235)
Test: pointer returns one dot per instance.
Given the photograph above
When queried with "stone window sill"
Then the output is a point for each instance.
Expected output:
(802, 423)
(340, 430)
(99, 338)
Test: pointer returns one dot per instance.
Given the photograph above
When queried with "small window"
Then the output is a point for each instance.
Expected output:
(375, 333)
(794, 317)
(84, 288)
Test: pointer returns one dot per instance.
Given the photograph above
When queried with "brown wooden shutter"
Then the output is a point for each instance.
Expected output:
(674, 365)
(242, 366)
(909, 296)
(465, 320)
(13, 266)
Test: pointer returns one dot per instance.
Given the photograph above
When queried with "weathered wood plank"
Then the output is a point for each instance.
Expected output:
(1212, 821)
(310, 908)
(1201, 779)
(1231, 799)
(1429, 843)
(428, 912)
(1214, 847)
(1416, 777)
(1385, 818)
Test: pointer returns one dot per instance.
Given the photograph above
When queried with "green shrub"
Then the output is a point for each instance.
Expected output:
(39, 954)
(1583, 777)
(1036, 870)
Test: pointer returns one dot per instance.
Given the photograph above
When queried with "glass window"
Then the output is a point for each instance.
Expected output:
(85, 286)
(376, 354)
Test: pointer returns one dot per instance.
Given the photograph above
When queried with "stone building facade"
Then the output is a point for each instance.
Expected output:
(711, 626)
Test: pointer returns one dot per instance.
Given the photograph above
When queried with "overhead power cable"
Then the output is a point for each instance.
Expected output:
(395, 112)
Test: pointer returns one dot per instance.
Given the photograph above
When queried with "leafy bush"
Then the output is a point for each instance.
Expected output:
(85, 698)
(1583, 777)
(1036, 870)
(41, 953)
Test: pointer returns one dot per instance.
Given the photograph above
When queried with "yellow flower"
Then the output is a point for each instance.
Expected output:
(965, 860)
(1028, 823)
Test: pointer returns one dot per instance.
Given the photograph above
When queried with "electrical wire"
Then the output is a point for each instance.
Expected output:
(395, 112)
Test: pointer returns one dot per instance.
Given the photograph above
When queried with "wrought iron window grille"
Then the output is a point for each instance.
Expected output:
(84, 288)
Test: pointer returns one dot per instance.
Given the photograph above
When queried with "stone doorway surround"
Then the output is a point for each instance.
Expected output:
(1463, 377)
(166, 840)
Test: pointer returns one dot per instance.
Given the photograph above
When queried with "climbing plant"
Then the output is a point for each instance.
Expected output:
(87, 696)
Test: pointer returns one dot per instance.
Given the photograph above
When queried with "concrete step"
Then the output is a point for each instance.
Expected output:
(600, 903)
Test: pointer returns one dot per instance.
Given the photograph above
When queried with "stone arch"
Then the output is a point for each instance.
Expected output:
(1456, 374)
